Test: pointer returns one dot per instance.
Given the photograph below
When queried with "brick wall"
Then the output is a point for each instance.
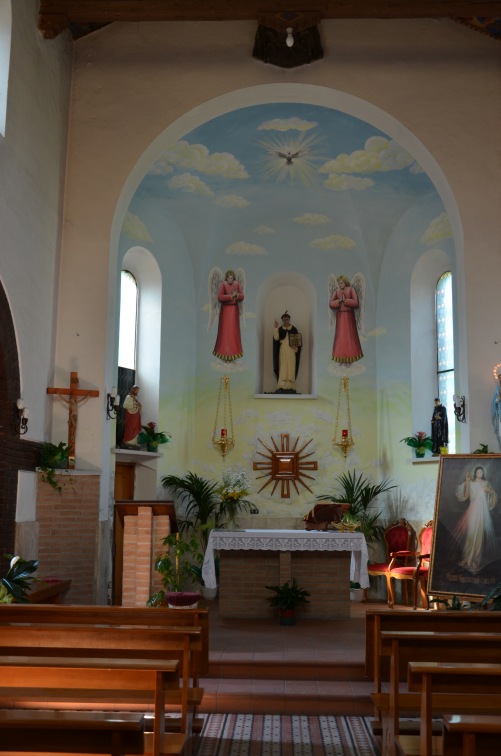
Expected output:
(68, 532)
(143, 536)
(244, 574)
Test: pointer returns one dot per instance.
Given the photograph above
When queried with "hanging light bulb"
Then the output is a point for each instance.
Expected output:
(289, 40)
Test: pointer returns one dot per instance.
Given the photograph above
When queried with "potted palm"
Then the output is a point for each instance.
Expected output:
(359, 492)
(201, 501)
(287, 597)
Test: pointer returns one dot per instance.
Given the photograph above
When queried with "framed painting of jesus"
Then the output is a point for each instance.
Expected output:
(466, 554)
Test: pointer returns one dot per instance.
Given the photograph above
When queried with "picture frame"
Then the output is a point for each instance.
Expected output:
(466, 553)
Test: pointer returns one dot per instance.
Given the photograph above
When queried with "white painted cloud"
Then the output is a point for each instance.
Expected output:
(186, 182)
(264, 230)
(312, 219)
(439, 228)
(287, 124)
(196, 157)
(231, 200)
(244, 248)
(379, 155)
(334, 241)
(340, 182)
(377, 332)
(134, 227)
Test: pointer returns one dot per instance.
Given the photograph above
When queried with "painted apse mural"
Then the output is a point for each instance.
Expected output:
(317, 214)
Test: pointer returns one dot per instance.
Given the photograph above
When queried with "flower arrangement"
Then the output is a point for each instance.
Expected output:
(17, 580)
(235, 486)
(151, 437)
(420, 442)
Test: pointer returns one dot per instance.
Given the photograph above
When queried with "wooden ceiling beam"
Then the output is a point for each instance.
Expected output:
(56, 15)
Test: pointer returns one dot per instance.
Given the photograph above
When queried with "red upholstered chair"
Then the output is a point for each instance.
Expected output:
(398, 537)
(418, 572)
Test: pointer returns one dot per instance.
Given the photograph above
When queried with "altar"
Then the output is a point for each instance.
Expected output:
(323, 562)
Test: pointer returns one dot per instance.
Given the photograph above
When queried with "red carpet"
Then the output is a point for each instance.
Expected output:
(276, 735)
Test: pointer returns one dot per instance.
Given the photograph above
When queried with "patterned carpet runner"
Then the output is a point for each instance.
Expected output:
(275, 735)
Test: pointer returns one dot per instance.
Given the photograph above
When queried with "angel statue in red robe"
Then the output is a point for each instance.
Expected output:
(226, 296)
(346, 311)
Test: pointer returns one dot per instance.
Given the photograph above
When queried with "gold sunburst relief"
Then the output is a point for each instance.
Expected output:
(285, 465)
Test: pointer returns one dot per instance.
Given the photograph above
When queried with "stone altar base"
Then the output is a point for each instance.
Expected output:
(243, 576)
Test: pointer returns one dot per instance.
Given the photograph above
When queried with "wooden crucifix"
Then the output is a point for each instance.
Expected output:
(72, 397)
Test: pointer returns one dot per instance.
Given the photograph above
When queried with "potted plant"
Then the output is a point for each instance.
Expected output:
(233, 489)
(287, 597)
(420, 442)
(356, 591)
(202, 504)
(151, 437)
(359, 492)
(53, 457)
(175, 566)
(16, 582)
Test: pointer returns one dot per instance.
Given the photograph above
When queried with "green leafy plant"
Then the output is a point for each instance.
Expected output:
(202, 503)
(418, 441)
(176, 565)
(491, 601)
(53, 457)
(17, 580)
(482, 449)
(151, 437)
(359, 492)
(454, 604)
(288, 595)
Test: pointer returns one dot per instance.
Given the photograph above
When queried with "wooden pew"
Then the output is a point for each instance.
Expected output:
(402, 647)
(114, 616)
(71, 731)
(471, 735)
(377, 667)
(459, 684)
(99, 665)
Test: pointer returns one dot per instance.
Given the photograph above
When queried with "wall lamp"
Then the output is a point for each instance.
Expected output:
(22, 414)
(112, 403)
(459, 408)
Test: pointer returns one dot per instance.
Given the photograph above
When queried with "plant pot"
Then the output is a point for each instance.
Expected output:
(287, 617)
(152, 447)
(420, 453)
(356, 594)
(208, 593)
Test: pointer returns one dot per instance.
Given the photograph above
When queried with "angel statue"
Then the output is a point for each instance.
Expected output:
(346, 304)
(226, 295)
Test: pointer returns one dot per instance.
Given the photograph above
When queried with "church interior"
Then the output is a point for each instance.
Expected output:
(306, 203)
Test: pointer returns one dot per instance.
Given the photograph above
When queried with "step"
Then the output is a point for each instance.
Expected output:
(286, 670)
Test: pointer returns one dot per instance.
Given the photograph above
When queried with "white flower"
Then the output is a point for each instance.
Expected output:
(14, 561)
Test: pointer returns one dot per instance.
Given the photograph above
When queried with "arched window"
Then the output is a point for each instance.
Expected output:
(127, 336)
(5, 37)
(445, 349)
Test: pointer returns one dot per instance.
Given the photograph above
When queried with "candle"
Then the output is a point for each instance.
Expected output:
(344, 433)
(223, 432)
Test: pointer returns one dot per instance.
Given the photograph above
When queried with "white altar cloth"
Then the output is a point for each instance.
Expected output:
(288, 540)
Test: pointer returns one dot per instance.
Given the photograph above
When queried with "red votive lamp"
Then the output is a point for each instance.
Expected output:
(344, 433)
(223, 432)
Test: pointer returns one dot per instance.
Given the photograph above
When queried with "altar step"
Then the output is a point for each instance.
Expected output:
(261, 687)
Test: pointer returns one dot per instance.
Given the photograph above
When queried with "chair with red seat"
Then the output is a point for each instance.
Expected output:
(398, 537)
(417, 572)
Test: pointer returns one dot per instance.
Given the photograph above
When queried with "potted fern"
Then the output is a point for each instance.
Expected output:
(287, 597)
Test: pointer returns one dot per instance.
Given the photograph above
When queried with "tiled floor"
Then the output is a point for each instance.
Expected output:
(314, 667)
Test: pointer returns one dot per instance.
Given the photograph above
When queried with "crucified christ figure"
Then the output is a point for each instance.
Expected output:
(72, 397)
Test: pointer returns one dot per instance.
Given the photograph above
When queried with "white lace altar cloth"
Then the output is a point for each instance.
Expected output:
(288, 540)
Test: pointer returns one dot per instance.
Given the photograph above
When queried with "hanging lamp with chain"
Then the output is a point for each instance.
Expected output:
(345, 440)
(223, 436)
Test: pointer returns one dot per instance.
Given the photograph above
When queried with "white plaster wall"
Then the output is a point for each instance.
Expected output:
(32, 166)
(438, 79)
